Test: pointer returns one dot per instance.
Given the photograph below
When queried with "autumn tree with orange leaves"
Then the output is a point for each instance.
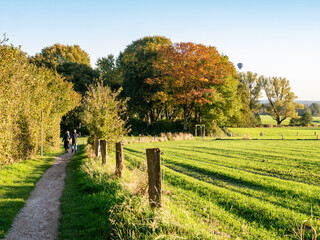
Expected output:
(189, 73)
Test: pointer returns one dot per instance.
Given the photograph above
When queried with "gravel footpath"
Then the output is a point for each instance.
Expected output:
(39, 218)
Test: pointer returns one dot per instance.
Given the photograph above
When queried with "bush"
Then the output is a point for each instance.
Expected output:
(25, 91)
(306, 118)
(102, 113)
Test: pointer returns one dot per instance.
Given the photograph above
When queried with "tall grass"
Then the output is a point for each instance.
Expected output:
(120, 206)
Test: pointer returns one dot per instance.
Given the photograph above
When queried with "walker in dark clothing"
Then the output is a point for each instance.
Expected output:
(66, 139)
(74, 137)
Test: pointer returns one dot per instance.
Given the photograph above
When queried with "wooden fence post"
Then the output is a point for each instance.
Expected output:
(119, 159)
(154, 176)
(97, 147)
(104, 151)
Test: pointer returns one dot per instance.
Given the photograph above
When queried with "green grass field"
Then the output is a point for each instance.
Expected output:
(298, 133)
(241, 189)
(266, 119)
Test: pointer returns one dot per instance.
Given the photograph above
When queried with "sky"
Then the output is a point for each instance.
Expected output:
(274, 38)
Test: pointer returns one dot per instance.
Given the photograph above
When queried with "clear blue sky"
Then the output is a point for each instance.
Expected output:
(271, 37)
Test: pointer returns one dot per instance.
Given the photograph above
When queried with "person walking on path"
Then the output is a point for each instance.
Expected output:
(74, 138)
(66, 139)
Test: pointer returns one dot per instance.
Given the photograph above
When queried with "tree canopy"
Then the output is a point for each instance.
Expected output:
(102, 113)
(280, 97)
(110, 71)
(25, 91)
(137, 65)
(253, 86)
(189, 73)
(58, 54)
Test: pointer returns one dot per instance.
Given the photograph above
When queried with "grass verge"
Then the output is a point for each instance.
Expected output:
(97, 205)
(17, 180)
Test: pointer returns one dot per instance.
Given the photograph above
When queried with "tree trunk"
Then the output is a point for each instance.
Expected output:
(185, 114)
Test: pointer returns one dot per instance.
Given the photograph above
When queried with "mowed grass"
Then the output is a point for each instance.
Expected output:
(298, 133)
(241, 189)
(17, 180)
(266, 119)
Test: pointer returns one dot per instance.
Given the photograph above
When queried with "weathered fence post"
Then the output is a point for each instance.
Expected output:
(97, 147)
(154, 176)
(119, 158)
(103, 147)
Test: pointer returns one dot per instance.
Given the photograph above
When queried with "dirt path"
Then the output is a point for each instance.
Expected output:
(39, 218)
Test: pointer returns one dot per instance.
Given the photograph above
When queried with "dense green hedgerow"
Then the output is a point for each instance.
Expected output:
(25, 91)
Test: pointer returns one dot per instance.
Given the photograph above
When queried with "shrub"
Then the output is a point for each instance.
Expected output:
(102, 113)
(25, 91)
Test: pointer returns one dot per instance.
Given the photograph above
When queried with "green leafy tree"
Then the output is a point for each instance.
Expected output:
(58, 54)
(137, 65)
(110, 71)
(253, 86)
(25, 91)
(315, 109)
(224, 105)
(281, 99)
(102, 113)
(306, 118)
(73, 63)
(81, 75)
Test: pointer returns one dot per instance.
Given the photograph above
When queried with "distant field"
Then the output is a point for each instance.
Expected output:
(266, 119)
(241, 189)
(277, 132)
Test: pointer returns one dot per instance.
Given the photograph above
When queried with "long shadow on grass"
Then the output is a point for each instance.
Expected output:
(254, 156)
(218, 179)
(309, 179)
(258, 215)
(131, 162)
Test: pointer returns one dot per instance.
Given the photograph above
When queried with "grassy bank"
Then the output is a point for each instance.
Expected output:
(17, 180)
(97, 205)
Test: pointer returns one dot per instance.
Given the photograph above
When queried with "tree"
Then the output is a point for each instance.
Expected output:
(81, 75)
(102, 113)
(73, 63)
(110, 71)
(137, 65)
(253, 86)
(315, 109)
(280, 97)
(306, 118)
(189, 73)
(25, 91)
(58, 54)
(224, 105)
(5, 39)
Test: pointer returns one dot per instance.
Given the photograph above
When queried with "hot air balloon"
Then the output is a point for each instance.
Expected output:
(240, 65)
